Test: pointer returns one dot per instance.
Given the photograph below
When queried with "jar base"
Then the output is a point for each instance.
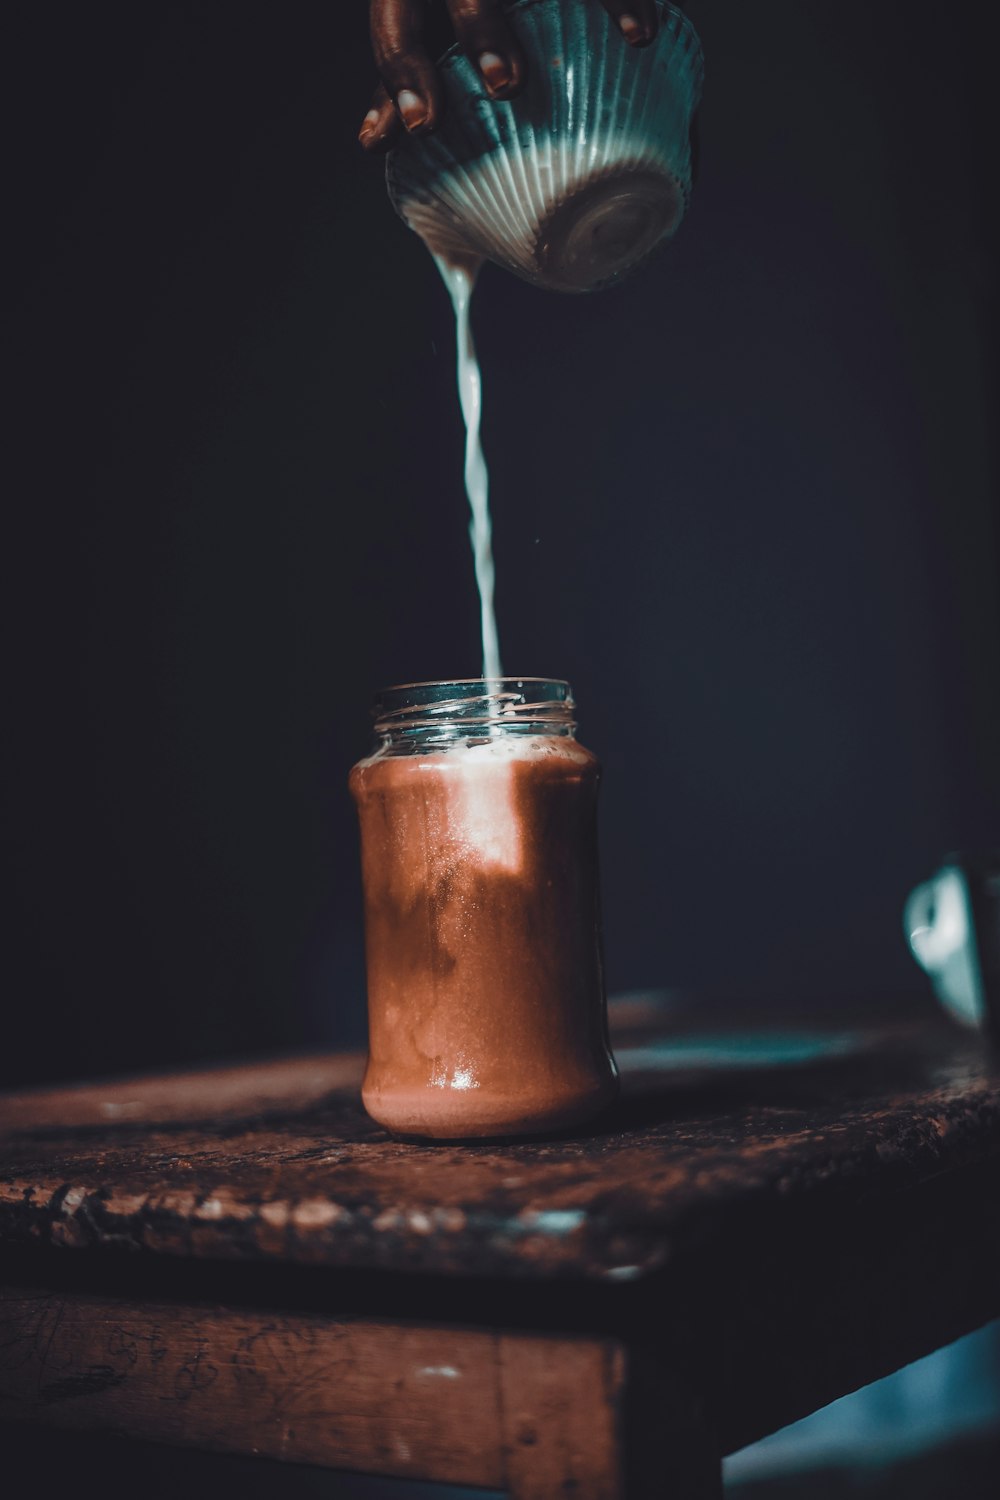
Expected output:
(407, 1117)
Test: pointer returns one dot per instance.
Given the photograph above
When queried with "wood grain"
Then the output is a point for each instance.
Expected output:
(280, 1164)
(740, 1241)
(531, 1415)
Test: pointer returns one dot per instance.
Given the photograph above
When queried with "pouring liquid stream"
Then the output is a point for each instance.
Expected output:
(460, 278)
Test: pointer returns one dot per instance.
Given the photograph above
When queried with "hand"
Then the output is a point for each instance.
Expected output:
(409, 95)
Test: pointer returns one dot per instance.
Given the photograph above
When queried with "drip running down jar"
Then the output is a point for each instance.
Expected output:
(486, 1004)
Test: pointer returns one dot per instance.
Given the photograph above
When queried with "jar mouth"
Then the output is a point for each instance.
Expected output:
(455, 709)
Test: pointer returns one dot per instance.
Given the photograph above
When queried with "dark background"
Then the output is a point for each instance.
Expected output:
(746, 503)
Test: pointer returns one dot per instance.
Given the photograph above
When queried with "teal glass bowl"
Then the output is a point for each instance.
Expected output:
(574, 182)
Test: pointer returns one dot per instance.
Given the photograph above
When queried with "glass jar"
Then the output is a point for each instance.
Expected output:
(486, 1007)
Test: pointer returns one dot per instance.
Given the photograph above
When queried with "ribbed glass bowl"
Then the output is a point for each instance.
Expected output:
(574, 182)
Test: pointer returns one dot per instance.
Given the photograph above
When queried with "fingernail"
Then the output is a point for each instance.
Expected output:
(412, 108)
(631, 29)
(368, 126)
(495, 69)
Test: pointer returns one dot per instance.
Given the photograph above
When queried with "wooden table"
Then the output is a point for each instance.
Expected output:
(239, 1259)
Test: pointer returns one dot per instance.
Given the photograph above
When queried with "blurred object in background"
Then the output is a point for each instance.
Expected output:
(953, 926)
(966, 1468)
(931, 1429)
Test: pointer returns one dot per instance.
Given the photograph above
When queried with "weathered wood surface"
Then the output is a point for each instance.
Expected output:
(279, 1163)
(523, 1413)
(754, 1240)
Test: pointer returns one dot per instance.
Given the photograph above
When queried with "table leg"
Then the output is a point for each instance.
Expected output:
(598, 1420)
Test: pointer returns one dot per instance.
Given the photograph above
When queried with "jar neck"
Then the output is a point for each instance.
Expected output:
(437, 715)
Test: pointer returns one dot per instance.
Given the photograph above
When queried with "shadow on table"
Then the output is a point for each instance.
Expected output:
(690, 1077)
(57, 1463)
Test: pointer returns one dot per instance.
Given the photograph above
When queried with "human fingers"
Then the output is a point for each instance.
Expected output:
(637, 20)
(485, 37)
(380, 124)
(404, 65)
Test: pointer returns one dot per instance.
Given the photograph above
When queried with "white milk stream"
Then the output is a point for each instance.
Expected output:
(460, 280)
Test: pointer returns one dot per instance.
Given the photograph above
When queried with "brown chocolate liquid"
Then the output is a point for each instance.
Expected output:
(482, 929)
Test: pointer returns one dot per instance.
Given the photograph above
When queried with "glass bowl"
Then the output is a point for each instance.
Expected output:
(574, 182)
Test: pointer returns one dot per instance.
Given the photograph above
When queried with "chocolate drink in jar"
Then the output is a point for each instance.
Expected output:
(486, 1004)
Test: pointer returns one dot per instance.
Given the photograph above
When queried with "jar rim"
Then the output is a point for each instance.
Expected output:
(406, 687)
(456, 705)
